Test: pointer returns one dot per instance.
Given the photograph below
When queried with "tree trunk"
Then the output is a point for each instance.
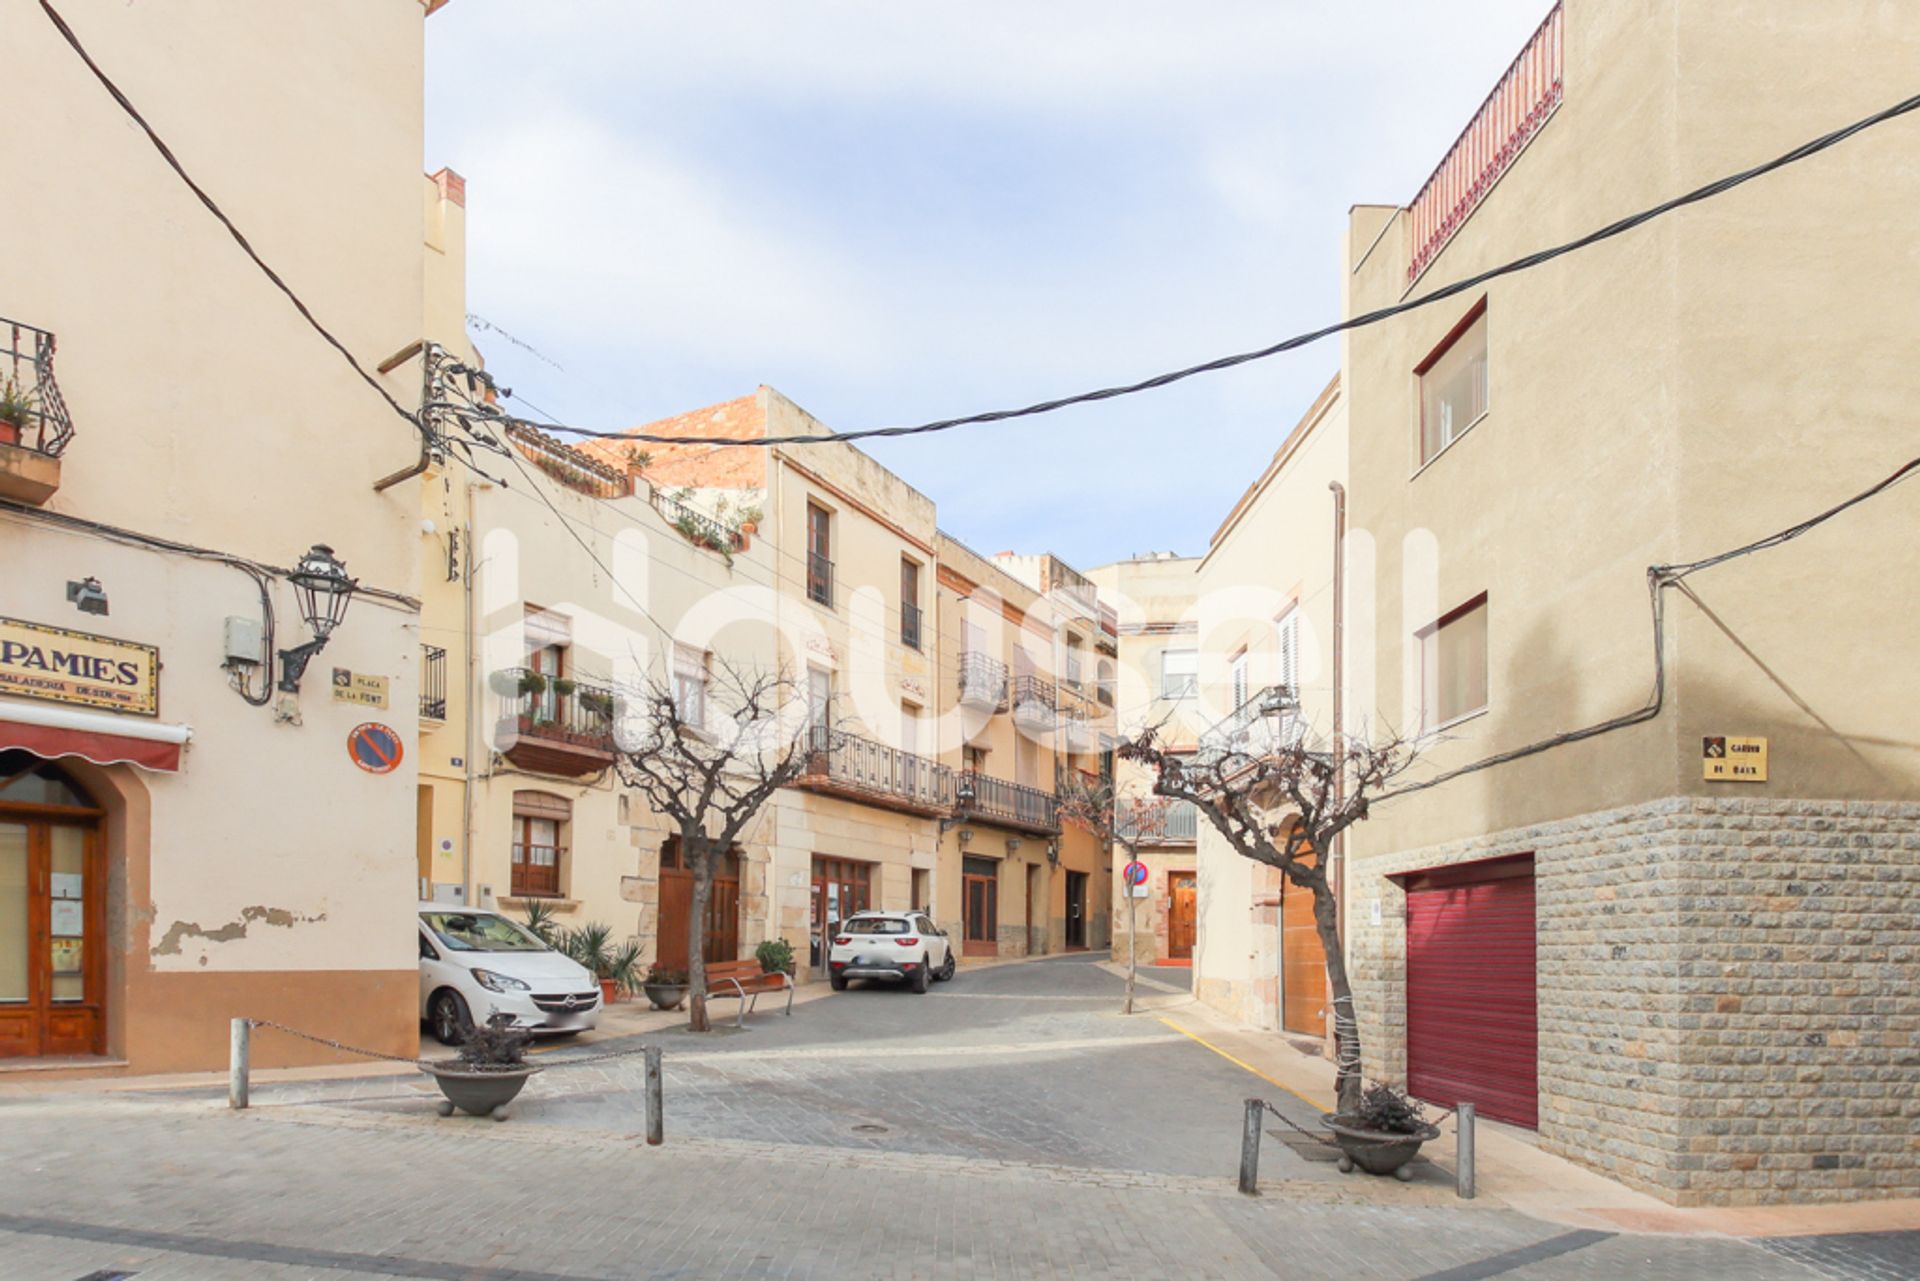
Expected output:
(1133, 947)
(1346, 1027)
(700, 862)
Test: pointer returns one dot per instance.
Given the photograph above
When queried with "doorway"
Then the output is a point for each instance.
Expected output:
(721, 941)
(841, 887)
(1183, 897)
(1303, 963)
(1076, 911)
(52, 913)
(980, 906)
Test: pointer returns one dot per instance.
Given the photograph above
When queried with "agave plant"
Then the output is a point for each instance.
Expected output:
(625, 969)
(543, 921)
(592, 946)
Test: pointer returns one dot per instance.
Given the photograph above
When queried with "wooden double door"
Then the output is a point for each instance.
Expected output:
(980, 906)
(841, 887)
(721, 941)
(52, 914)
(1183, 901)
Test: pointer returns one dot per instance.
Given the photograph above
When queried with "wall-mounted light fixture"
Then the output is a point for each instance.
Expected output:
(88, 596)
(323, 589)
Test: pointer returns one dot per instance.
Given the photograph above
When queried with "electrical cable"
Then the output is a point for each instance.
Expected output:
(239, 238)
(1538, 258)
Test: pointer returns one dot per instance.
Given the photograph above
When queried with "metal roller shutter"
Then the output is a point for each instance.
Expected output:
(1472, 1023)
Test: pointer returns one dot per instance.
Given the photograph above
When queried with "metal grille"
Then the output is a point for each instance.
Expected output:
(433, 683)
(39, 419)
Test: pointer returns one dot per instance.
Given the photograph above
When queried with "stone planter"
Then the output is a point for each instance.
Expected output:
(478, 1093)
(665, 996)
(1377, 1152)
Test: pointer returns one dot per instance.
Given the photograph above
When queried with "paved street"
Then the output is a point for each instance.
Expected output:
(1009, 1124)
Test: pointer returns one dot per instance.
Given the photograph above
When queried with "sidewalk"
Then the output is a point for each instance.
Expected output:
(1509, 1167)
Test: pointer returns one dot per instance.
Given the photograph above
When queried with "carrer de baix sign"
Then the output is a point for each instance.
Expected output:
(60, 666)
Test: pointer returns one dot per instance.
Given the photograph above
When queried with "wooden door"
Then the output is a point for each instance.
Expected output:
(52, 914)
(841, 887)
(1076, 909)
(722, 939)
(1303, 964)
(980, 907)
(1183, 898)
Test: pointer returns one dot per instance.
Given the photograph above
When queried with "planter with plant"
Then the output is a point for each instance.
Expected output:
(614, 966)
(1383, 1134)
(564, 687)
(490, 1072)
(750, 518)
(597, 702)
(666, 987)
(544, 922)
(18, 405)
(532, 683)
(775, 957)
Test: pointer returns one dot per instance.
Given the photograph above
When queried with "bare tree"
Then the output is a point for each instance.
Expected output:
(709, 760)
(1278, 802)
(1131, 822)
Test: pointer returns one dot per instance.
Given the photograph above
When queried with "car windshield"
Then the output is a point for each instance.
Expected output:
(481, 932)
(877, 925)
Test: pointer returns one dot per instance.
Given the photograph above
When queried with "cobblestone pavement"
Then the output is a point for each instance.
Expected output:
(1027, 1131)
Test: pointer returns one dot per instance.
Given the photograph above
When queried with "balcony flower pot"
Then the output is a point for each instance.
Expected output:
(1377, 1151)
(9, 432)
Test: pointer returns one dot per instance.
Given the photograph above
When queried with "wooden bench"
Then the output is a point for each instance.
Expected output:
(744, 981)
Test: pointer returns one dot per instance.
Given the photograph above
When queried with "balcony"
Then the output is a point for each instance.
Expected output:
(1004, 804)
(863, 770)
(1266, 723)
(1035, 704)
(555, 725)
(910, 625)
(34, 426)
(1156, 822)
(983, 683)
(819, 579)
(433, 683)
(697, 527)
(1517, 109)
(574, 468)
(1080, 719)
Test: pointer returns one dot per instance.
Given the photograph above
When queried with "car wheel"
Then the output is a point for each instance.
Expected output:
(945, 971)
(921, 972)
(451, 1022)
(838, 982)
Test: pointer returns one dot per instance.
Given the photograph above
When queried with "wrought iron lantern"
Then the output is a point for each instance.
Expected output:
(323, 589)
(1276, 708)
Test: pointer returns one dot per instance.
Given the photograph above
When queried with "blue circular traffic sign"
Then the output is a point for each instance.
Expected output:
(375, 748)
(1135, 873)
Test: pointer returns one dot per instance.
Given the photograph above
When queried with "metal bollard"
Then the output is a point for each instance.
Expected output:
(239, 1060)
(1463, 1151)
(656, 1127)
(1250, 1148)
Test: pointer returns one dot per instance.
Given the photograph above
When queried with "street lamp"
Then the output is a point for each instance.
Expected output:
(321, 586)
(1280, 703)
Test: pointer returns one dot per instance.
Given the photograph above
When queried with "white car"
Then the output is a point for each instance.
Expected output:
(476, 964)
(899, 946)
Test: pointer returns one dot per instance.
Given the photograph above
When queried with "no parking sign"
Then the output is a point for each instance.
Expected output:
(375, 748)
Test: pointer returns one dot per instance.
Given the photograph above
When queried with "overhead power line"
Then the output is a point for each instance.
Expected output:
(239, 237)
(1608, 232)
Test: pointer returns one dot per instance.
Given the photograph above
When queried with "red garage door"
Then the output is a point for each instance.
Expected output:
(1472, 1033)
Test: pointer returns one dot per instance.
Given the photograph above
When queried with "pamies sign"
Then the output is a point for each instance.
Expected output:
(75, 667)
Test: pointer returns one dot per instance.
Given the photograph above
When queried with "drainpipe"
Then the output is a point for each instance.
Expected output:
(1337, 862)
(465, 568)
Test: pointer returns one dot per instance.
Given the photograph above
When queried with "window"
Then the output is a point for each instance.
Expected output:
(909, 728)
(1453, 665)
(909, 602)
(819, 554)
(481, 932)
(877, 925)
(973, 637)
(1179, 673)
(1288, 629)
(1073, 660)
(819, 703)
(539, 843)
(974, 758)
(690, 684)
(1453, 384)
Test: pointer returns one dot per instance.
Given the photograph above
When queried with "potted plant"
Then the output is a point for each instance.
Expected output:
(625, 969)
(599, 702)
(489, 1073)
(544, 922)
(564, 687)
(532, 683)
(593, 947)
(665, 986)
(750, 518)
(1383, 1134)
(17, 406)
(775, 957)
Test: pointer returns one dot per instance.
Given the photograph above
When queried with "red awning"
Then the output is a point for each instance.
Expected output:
(93, 736)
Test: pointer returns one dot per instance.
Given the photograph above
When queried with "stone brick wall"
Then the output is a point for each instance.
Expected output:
(1727, 1012)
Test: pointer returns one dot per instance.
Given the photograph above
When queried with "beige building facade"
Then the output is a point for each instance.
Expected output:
(1685, 961)
(181, 842)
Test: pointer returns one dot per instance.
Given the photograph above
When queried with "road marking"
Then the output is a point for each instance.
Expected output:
(1242, 1063)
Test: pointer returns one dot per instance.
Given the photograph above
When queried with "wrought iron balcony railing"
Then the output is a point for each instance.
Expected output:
(696, 526)
(820, 579)
(1264, 724)
(874, 771)
(555, 725)
(1156, 822)
(433, 683)
(1036, 703)
(32, 413)
(910, 624)
(983, 682)
(994, 800)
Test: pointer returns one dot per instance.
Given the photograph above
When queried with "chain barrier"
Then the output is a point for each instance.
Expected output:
(1327, 1141)
(344, 1048)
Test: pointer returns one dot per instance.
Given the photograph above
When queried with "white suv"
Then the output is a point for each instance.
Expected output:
(476, 964)
(889, 945)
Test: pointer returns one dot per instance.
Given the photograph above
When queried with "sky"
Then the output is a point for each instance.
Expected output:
(897, 212)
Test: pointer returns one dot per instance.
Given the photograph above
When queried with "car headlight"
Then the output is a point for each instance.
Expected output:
(497, 982)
